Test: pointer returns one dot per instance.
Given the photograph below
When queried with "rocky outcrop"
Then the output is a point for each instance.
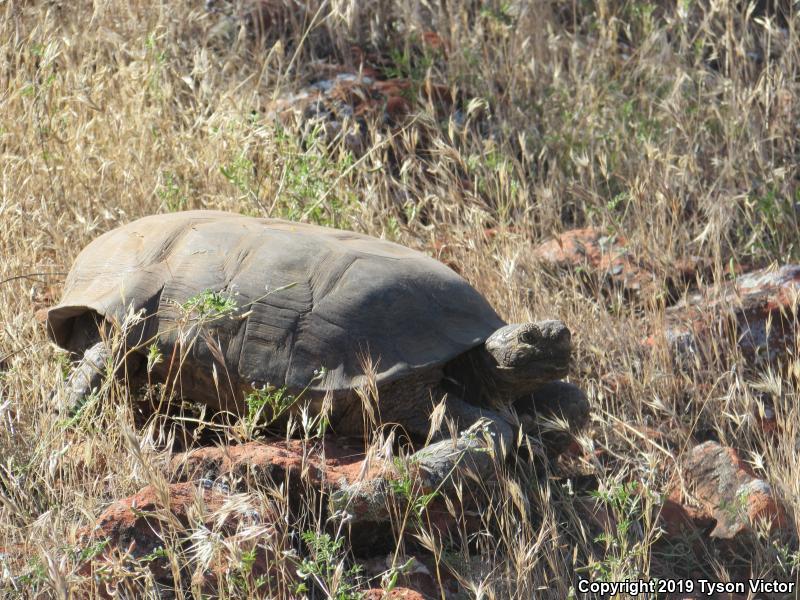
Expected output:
(136, 531)
(344, 103)
(354, 94)
(757, 312)
(604, 262)
(714, 508)
(599, 258)
(341, 476)
(327, 465)
(727, 490)
(415, 577)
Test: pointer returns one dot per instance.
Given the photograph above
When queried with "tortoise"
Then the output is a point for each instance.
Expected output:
(317, 311)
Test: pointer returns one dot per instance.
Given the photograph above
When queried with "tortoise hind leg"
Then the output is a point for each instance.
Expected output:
(86, 376)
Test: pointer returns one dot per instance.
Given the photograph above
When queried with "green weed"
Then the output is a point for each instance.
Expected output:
(325, 567)
(210, 304)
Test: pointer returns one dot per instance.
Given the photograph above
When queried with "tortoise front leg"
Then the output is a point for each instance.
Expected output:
(484, 437)
(86, 376)
(554, 413)
(475, 425)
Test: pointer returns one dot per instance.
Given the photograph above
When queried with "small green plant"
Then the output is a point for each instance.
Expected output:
(242, 579)
(248, 560)
(325, 567)
(306, 180)
(769, 220)
(413, 66)
(405, 486)
(402, 485)
(617, 201)
(495, 176)
(93, 550)
(159, 61)
(311, 179)
(626, 545)
(210, 303)
(737, 506)
(641, 16)
(240, 174)
(390, 577)
(154, 356)
(787, 557)
(392, 228)
(64, 364)
(77, 413)
(503, 14)
(157, 554)
(35, 575)
(171, 194)
(274, 401)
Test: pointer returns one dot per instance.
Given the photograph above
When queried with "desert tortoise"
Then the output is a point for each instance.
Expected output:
(313, 306)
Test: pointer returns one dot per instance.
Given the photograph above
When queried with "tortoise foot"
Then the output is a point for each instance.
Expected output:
(555, 413)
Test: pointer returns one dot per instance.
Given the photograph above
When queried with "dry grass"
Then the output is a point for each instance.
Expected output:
(677, 125)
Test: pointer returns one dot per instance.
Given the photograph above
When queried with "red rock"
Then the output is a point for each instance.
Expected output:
(574, 450)
(757, 311)
(130, 526)
(679, 520)
(258, 17)
(415, 573)
(616, 382)
(332, 469)
(595, 512)
(574, 248)
(395, 594)
(331, 464)
(595, 254)
(604, 260)
(728, 490)
(392, 87)
(346, 94)
(135, 528)
(342, 97)
(675, 519)
(766, 419)
(666, 435)
(433, 40)
(397, 107)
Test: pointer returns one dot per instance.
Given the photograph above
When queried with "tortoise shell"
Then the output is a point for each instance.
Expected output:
(308, 299)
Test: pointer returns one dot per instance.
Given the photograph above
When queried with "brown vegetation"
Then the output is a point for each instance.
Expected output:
(672, 126)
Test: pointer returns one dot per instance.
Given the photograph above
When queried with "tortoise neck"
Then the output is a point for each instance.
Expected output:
(475, 378)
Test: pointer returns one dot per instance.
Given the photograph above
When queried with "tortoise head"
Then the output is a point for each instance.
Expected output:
(528, 355)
